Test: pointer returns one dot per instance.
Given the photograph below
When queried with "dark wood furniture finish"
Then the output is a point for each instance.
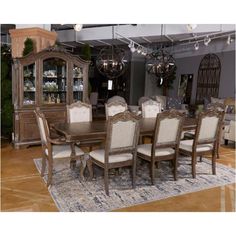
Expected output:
(30, 73)
(197, 141)
(119, 148)
(159, 142)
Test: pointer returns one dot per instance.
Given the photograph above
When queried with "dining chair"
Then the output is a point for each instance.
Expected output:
(116, 99)
(53, 148)
(114, 108)
(165, 143)
(82, 112)
(150, 109)
(205, 140)
(121, 146)
(142, 100)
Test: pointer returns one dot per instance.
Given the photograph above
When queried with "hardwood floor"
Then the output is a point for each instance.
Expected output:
(22, 188)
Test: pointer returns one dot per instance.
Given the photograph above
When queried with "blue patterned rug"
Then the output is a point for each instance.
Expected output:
(72, 195)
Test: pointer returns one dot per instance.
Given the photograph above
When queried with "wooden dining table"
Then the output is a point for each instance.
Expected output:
(76, 132)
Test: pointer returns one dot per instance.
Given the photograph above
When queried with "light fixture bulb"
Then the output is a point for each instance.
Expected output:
(139, 49)
(191, 27)
(196, 46)
(207, 40)
(78, 27)
(133, 49)
(229, 40)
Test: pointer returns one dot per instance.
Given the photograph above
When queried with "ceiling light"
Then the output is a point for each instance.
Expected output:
(191, 27)
(139, 49)
(132, 47)
(207, 40)
(196, 46)
(78, 27)
(229, 40)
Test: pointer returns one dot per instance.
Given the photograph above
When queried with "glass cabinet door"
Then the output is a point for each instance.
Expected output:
(29, 84)
(78, 85)
(54, 81)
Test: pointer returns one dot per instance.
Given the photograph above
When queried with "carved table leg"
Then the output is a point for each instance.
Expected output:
(72, 161)
(90, 168)
(82, 167)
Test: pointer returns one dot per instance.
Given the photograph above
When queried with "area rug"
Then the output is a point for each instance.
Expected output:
(72, 195)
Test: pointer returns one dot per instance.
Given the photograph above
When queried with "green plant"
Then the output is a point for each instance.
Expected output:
(6, 92)
(29, 46)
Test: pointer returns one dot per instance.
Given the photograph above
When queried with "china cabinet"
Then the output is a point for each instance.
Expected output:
(50, 80)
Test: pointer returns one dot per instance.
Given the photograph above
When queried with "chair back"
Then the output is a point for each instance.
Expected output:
(94, 98)
(114, 108)
(79, 112)
(168, 129)
(150, 109)
(122, 133)
(43, 127)
(142, 100)
(116, 99)
(208, 127)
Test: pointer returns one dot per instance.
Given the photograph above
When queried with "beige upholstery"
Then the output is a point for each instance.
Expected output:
(42, 131)
(60, 151)
(145, 149)
(188, 144)
(115, 109)
(168, 130)
(116, 99)
(79, 114)
(122, 134)
(208, 128)
(161, 99)
(229, 133)
(99, 155)
(150, 109)
(142, 100)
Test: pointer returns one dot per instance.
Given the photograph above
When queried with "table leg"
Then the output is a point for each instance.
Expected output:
(82, 167)
(90, 168)
(72, 161)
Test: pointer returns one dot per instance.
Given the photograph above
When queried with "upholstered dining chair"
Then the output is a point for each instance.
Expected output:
(205, 140)
(82, 112)
(116, 99)
(142, 100)
(150, 109)
(114, 108)
(53, 148)
(165, 143)
(121, 146)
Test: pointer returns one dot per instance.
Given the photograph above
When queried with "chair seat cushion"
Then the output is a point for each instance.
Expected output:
(61, 151)
(145, 149)
(187, 145)
(99, 155)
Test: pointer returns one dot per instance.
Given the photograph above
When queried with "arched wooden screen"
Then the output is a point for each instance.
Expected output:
(208, 80)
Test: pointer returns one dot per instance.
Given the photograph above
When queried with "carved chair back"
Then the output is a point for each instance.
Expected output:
(79, 112)
(208, 128)
(168, 129)
(150, 109)
(116, 99)
(216, 106)
(122, 134)
(114, 108)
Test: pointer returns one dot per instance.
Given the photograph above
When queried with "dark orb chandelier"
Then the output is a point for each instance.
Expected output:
(161, 64)
(111, 62)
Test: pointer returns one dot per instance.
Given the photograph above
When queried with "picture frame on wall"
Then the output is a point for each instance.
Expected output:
(185, 87)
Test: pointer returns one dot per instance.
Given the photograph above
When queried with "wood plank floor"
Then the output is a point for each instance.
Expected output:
(22, 188)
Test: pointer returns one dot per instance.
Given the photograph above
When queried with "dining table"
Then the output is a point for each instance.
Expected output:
(93, 130)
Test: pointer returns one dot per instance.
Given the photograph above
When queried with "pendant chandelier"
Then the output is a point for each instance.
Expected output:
(111, 61)
(161, 64)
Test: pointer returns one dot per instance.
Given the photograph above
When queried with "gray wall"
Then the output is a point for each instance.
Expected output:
(189, 65)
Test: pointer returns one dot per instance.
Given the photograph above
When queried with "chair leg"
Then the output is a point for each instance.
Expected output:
(194, 165)
(106, 181)
(134, 174)
(226, 141)
(217, 151)
(90, 168)
(214, 163)
(152, 172)
(200, 158)
(50, 170)
(175, 168)
(43, 166)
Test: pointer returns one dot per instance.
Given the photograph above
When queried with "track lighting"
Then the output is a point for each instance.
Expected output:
(139, 49)
(132, 47)
(229, 40)
(191, 27)
(196, 46)
(207, 40)
(78, 27)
